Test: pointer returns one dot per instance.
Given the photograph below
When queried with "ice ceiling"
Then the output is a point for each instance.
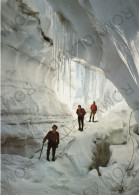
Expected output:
(51, 48)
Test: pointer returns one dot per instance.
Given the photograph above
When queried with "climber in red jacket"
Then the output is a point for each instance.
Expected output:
(93, 109)
(80, 112)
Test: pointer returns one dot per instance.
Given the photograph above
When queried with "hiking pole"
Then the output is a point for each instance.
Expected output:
(41, 150)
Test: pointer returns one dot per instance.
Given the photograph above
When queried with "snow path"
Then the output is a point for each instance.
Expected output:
(70, 173)
(69, 167)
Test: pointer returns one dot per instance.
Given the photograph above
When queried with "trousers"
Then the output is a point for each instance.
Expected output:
(52, 145)
(81, 122)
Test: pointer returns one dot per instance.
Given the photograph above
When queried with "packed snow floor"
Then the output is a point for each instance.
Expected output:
(101, 160)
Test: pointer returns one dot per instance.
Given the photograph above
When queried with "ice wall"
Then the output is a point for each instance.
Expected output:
(38, 71)
(107, 34)
(28, 82)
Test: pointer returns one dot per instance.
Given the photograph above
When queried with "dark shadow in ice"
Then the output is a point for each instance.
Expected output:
(101, 155)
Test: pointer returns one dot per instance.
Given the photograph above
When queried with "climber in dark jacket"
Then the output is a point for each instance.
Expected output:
(53, 141)
(80, 112)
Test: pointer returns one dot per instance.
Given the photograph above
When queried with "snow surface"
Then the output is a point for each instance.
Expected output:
(71, 173)
(57, 54)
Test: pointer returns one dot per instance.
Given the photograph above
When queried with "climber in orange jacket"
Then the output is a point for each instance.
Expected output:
(93, 109)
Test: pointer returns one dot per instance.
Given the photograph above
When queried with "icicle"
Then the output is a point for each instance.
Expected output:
(69, 70)
(55, 41)
(63, 59)
(70, 77)
(87, 82)
(61, 49)
(77, 70)
(82, 79)
(77, 51)
(61, 41)
(58, 28)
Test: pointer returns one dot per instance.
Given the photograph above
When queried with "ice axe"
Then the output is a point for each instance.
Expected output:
(41, 150)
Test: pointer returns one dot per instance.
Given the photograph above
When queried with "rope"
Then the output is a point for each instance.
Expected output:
(131, 137)
(60, 138)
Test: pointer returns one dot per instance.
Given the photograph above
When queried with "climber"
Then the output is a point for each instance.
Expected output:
(53, 141)
(80, 112)
(93, 109)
